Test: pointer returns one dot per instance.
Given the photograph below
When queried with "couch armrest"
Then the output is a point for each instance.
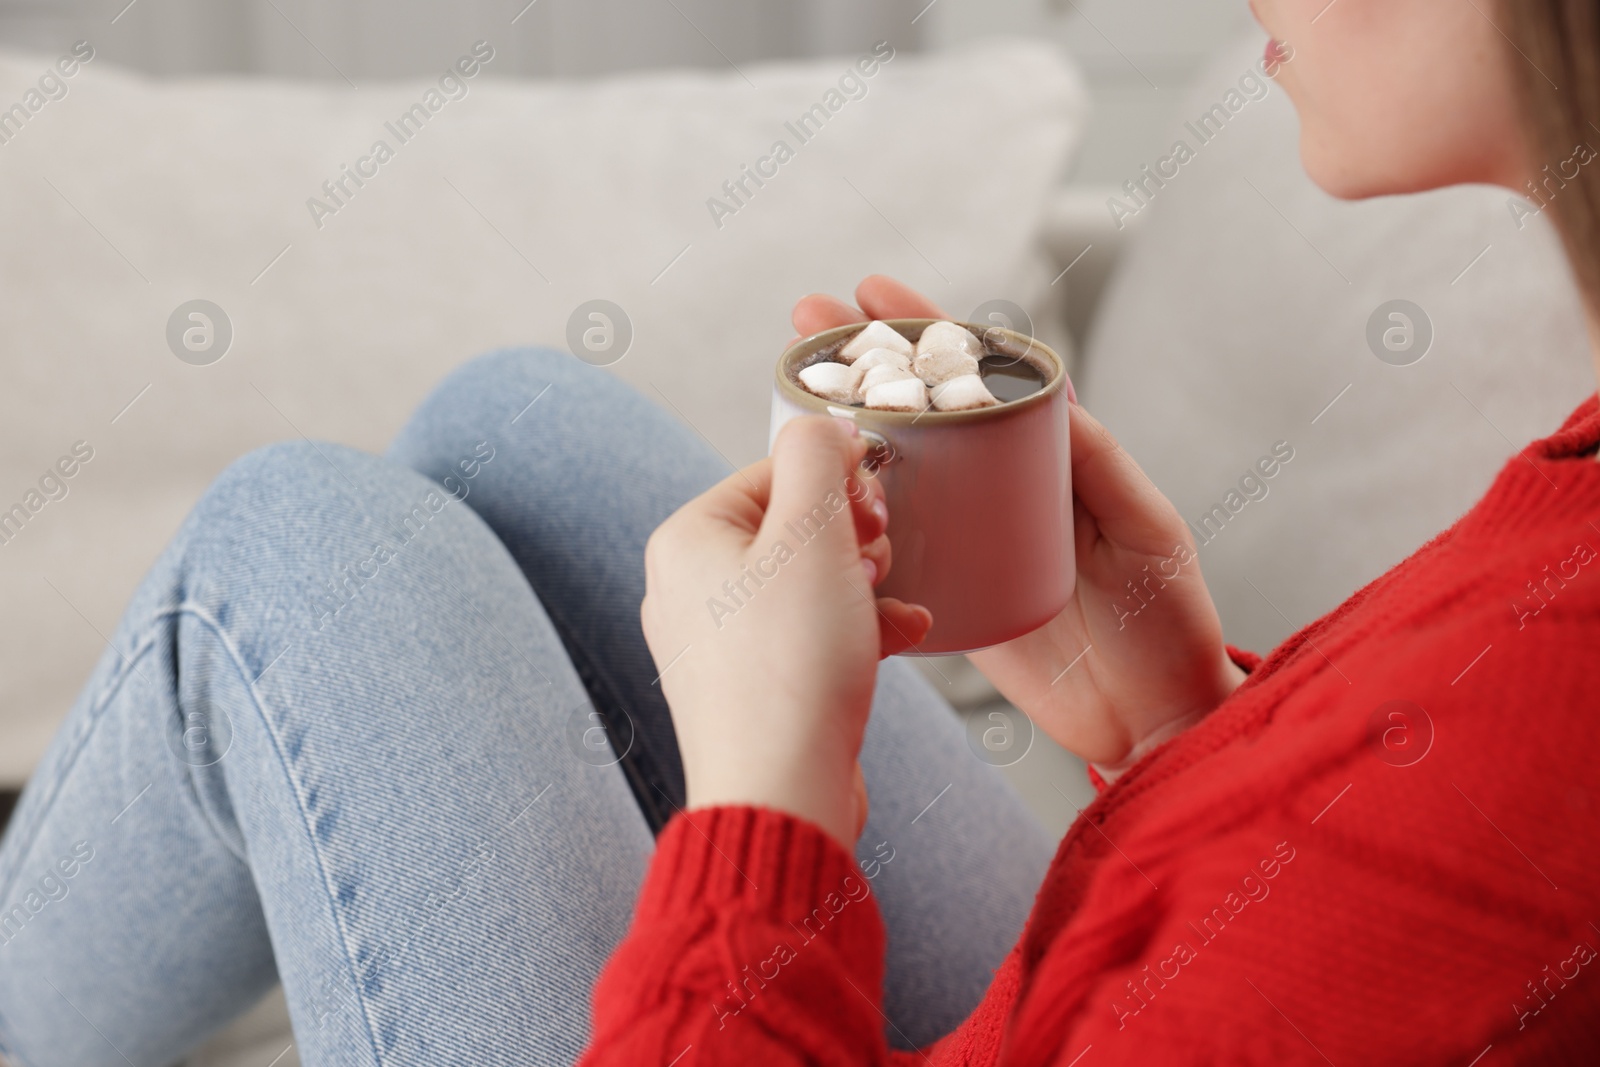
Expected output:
(1086, 243)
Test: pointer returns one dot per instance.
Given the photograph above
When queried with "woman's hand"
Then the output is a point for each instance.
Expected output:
(1124, 666)
(761, 615)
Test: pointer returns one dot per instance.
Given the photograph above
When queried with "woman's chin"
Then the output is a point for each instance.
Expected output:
(1348, 174)
(1362, 172)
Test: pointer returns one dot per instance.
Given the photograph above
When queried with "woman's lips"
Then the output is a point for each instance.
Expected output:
(1274, 53)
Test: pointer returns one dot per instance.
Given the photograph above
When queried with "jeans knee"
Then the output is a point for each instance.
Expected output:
(543, 363)
(303, 507)
(546, 361)
(536, 398)
(282, 462)
(498, 387)
(288, 478)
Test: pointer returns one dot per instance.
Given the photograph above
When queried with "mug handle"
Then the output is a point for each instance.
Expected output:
(880, 452)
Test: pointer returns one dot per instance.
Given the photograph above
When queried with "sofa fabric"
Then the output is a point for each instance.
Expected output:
(498, 209)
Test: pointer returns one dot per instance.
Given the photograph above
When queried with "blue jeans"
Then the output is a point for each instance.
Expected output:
(358, 733)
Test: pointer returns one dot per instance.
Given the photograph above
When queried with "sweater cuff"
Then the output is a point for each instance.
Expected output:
(759, 861)
(1245, 660)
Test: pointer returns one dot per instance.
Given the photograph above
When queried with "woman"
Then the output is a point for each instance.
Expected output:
(350, 731)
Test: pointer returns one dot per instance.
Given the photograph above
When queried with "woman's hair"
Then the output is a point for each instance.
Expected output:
(1558, 81)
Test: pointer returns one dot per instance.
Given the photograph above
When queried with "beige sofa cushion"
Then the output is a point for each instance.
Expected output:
(513, 205)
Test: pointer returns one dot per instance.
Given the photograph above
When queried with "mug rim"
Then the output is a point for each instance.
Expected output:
(794, 393)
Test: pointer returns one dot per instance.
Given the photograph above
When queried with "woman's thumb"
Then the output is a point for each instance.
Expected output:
(813, 460)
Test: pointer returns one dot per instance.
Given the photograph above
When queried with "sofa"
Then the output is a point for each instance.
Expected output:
(498, 211)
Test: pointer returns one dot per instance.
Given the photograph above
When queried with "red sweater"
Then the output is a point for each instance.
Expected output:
(1314, 874)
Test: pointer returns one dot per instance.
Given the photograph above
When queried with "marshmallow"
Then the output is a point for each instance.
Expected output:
(876, 335)
(881, 357)
(832, 381)
(965, 393)
(940, 365)
(902, 394)
(883, 372)
(941, 336)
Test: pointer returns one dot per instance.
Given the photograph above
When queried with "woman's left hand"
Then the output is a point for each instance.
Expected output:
(761, 615)
(1137, 685)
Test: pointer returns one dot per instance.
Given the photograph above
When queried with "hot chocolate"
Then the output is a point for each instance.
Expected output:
(1009, 378)
(947, 368)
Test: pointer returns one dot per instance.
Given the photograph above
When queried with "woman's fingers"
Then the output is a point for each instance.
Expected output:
(819, 312)
(879, 553)
(1127, 507)
(881, 297)
(901, 626)
(868, 504)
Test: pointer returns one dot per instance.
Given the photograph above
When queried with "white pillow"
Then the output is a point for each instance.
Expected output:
(1241, 312)
(128, 197)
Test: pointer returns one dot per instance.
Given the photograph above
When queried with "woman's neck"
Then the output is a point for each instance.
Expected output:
(1594, 345)
(1594, 339)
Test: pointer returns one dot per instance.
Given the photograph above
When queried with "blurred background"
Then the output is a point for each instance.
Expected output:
(1139, 58)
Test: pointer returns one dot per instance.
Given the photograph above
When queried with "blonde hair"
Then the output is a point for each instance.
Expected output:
(1556, 65)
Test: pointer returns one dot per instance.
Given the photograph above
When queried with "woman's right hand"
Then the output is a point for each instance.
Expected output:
(1137, 654)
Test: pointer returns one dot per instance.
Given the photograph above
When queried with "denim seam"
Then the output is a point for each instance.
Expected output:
(256, 699)
(150, 634)
(29, 832)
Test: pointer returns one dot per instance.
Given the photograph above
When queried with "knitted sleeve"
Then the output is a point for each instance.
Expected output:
(1247, 661)
(1384, 858)
(756, 940)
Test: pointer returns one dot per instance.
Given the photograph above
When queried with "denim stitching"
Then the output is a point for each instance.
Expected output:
(150, 634)
(26, 834)
(277, 745)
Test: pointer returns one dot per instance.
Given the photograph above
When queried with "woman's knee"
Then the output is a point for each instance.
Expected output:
(298, 526)
(500, 387)
(298, 492)
(557, 422)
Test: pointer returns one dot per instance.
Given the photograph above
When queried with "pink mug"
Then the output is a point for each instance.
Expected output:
(980, 502)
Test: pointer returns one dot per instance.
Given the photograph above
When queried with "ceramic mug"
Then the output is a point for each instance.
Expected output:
(980, 502)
